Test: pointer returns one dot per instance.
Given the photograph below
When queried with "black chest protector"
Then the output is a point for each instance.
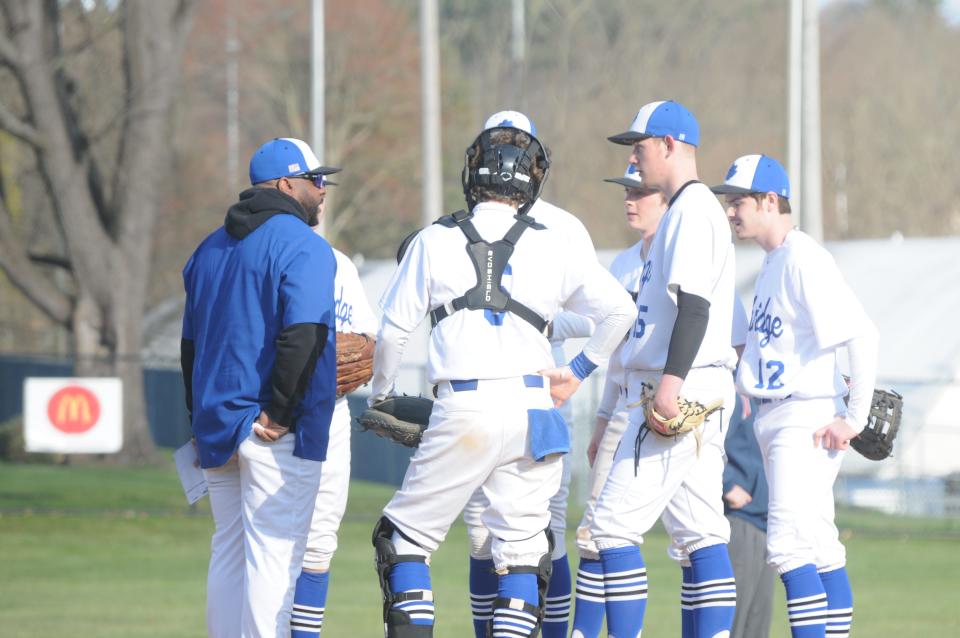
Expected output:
(489, 262)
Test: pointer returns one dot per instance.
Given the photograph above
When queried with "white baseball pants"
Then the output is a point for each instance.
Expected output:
(332, 496)
(479, 439)
(668, 478)
(598, 476)
(800, 522)
(261, 502)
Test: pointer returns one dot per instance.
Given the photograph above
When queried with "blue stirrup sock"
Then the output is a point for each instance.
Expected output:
(483, 589)
(712, 594)
(557, 615)
(686, 609)
(625, 590)
(515, 621)
(588, 613)
(836, 584)
(309, 602)
(806, 602)
(413, 580)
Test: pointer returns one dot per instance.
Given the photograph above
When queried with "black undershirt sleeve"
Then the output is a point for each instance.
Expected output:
(186, 366)
(298, 348)
(693, 312)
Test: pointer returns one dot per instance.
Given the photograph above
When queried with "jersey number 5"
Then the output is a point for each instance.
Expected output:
(641, 325)
(773, 382)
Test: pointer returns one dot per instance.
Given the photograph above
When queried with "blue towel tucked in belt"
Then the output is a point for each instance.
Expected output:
(548, 433)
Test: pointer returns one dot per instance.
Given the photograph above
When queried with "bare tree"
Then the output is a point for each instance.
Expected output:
(102, 160)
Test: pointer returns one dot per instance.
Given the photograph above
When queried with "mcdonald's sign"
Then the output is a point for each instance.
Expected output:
(73, 409)
(73, 415)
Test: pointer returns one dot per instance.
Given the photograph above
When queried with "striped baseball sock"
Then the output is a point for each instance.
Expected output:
(483, 589)
(806, 602)
(625, 590)
(309, 601)
(410, 581)
(557, 615)
(514, 615)
(713, 594)
(686, 610)
(839, 602)
(588, 613)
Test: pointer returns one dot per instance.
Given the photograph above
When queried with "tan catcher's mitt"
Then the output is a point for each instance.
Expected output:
(354, 361)
(691, 416)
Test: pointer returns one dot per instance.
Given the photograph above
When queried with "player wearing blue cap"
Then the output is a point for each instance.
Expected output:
(680, 345)
(803, 313)
(259, 367)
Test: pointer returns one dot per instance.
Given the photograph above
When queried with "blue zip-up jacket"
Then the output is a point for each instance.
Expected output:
(258, 328)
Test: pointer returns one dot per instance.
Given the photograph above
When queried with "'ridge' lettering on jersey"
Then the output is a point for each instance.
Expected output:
(763, 322)
(489, 286)
(344, 310)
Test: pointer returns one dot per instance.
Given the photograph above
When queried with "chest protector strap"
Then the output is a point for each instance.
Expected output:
(489, 262)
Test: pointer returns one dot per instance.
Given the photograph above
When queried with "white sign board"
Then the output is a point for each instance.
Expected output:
(73, 415)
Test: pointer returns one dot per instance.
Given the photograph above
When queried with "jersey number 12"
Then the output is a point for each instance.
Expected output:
(773, 383)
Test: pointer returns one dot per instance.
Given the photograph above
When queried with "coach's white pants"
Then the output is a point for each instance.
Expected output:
(800, 522)
(478, 439)
(598, 476)
(332, 496)
(672, 481)
(261, 502)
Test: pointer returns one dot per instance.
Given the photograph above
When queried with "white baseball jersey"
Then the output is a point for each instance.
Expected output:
(568, 224)
(482, 344)
(353, 311)
(802, 310)
(693, 252)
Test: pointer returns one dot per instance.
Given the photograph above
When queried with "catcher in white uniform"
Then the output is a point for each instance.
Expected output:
(803, 312)
(678, 349)
(566, 325)
(494, 424)
(354, 315)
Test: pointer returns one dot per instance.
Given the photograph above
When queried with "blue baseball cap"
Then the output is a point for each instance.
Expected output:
(658, 119)
(511, 119)
(285, 157)
(631, 178)
(755, 174)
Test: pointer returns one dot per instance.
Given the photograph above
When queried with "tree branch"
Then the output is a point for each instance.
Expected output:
(20, 129)
(27, 278)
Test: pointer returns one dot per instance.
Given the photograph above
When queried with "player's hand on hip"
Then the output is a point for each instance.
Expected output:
(835, 435)
(745, 402)
(267, 429)
(737, 497)
(598, 429)
(563, 383)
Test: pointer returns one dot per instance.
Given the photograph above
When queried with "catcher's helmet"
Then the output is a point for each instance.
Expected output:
(505, 169)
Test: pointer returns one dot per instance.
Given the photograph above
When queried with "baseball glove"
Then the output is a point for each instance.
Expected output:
(354, 361)
(876, 440)
(691, 416)
(400, 418)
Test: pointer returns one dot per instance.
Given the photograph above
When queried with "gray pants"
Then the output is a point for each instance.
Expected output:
(748, 554)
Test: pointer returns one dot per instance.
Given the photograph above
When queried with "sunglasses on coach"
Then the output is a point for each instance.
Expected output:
(319, 180)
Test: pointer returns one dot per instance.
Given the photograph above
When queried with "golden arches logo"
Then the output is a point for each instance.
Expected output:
(73, 410)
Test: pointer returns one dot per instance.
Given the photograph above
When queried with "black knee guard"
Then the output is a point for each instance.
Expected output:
(396, 623)
(543, 572)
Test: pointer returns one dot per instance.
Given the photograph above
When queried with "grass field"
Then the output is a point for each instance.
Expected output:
(102, 552)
